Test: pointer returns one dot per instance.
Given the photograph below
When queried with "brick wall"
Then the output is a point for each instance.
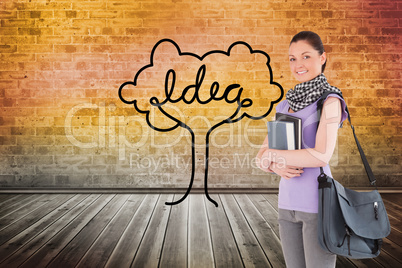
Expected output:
(62, 62)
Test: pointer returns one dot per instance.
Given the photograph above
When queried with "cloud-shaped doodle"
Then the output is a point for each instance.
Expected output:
(222, 86)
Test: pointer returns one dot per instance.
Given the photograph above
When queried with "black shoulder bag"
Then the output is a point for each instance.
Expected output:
(350, 223)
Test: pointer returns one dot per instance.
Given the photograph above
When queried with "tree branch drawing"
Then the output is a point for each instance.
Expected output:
(239, 81)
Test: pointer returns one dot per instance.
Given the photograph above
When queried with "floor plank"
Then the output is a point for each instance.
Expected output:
(149, 252)
(394, 215)
(342, 262)
(386, 259)
(394, 198)
(226, 252)
(7, 199)
(252, 254)
(200, 252)
(26, 235)
(79, 245)
(267, 211)
(21, 202)
(267, 239)
(102, 248)
(272, 199)
(53, 241)
(395, 236)
(26, 210)
(133, 230)
(174, 253)
(30, 219)
(125, 250)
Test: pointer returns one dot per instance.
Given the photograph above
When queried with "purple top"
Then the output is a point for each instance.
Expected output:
(301, 193)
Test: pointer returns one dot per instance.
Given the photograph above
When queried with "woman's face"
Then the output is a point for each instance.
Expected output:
(305, 62)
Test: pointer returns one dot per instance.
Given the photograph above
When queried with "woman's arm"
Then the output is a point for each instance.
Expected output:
(263, 163)
(280, 169)
(324, 144)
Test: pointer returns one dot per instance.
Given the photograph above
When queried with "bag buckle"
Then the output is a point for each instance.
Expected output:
(347, 237)
(376, 210)
(323, 181)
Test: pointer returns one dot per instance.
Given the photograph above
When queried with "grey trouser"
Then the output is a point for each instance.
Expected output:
(298, 231)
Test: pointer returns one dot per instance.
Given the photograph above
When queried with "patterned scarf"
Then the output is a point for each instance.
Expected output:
(308, 92)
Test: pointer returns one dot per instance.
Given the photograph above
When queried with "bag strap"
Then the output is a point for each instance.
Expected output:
(320, 104)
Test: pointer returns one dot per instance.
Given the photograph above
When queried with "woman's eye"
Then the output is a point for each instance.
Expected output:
(292, 59)
(306, 57)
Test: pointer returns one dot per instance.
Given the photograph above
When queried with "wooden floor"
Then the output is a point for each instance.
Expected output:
(124, 230)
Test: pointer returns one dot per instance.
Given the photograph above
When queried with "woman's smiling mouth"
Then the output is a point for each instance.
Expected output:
(301, 72)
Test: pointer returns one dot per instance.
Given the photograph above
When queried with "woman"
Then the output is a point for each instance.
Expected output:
(299, 169)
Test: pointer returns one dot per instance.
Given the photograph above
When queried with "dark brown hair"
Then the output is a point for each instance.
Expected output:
(314, 40)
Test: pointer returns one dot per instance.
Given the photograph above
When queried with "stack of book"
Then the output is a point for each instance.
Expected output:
(285, 132)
